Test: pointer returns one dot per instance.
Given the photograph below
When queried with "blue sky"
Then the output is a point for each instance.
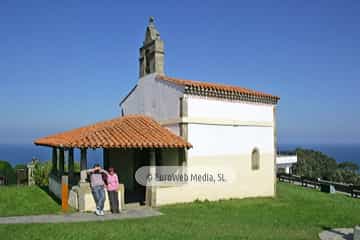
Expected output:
(64, 64)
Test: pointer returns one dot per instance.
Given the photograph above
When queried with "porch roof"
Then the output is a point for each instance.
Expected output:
(132, 131)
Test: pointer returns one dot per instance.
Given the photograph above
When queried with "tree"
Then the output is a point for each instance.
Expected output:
(318, 165)
(347, 172)
(7, 171)
(20, 166)
(315, 164)
(345, 176)
(348, 166)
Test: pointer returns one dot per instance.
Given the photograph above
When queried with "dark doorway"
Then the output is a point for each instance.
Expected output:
(138, 193)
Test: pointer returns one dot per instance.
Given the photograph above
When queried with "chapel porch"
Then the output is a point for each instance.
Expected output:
(128, 143)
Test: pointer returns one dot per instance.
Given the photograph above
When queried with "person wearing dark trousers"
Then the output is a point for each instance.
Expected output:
(113, 188)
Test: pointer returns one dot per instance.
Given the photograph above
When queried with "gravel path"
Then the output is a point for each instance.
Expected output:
(142, 212)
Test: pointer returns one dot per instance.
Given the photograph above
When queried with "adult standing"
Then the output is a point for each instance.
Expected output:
(97, 188)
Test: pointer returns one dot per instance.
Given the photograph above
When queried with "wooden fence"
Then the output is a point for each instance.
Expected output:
(353, 190)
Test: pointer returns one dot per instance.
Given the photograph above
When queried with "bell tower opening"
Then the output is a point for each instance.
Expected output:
(152, 51)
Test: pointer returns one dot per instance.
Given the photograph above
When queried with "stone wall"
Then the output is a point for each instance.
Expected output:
(55, 185)
(81, 198)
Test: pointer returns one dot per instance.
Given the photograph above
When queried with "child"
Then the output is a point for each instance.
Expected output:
(113, 188)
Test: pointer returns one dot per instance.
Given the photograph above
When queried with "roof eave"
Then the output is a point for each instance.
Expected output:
(195, 88)
(241, 97)
(128, 95)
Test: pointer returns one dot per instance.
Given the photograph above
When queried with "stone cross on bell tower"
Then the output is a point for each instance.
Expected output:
(152, 51)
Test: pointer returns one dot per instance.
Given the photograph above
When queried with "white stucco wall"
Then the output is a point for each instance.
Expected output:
(231, 110)
(229, 140)
(223, 147)
(217, 143)
(154, 98)
(245, 183)
(218, 139)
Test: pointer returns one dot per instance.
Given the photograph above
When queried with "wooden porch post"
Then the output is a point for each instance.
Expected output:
(54, 160)
(83, 164)
(71, 164)
(83, 159)
(61, 161)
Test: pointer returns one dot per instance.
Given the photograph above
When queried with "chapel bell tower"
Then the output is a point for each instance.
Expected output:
(152, 51)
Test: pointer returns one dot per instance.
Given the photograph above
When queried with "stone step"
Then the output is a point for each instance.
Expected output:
(133, 205)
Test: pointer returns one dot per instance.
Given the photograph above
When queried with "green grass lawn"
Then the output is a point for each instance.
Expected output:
(296, 213)
(22, 200)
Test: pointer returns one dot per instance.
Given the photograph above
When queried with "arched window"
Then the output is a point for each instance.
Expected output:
(255, 159)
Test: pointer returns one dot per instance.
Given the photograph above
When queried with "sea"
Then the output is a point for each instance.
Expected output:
(340, 152)
(24, 153)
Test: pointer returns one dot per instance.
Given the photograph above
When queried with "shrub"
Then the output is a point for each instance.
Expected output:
(7, 171)
(42, 171)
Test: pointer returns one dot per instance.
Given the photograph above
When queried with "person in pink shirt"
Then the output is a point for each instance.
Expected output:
(113, 188)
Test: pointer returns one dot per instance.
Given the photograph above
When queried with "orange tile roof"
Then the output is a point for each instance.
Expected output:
(218, 90)
(132, 131)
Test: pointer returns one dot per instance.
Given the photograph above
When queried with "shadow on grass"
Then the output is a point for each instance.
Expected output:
(52, 195)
